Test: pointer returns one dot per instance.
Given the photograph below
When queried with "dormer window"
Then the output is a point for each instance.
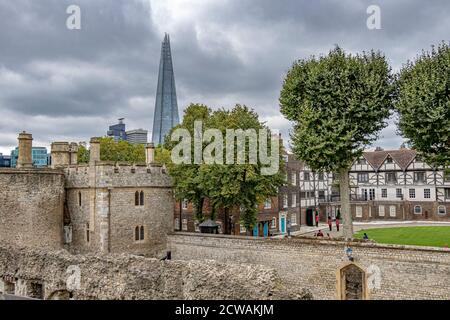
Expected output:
(389, 160)
(362, 161)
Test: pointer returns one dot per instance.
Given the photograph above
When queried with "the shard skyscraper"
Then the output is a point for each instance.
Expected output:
(166, 107)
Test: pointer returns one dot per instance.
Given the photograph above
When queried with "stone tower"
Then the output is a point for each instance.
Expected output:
(166, 107)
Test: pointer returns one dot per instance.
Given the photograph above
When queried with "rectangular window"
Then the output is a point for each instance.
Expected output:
(293, 200)
(391, 177)
(285, 201)
(364, 194)
(381, 211)
(88, 233)
(412, 193)
(294, 219)
(321, 194)
(268, 204)
(177, 224)
(184, 205)
(362, 161)
(306, 176)
(427, 193)
(371, 194)
(363, 177)
(419, 177)
(384, 193)
(321, 176)
(447, 177)
(398, 193)
(392, 211)
(447, 193)
(242, 229)
(359, 211)
(274, 223)
(294, 178)
(184, 224)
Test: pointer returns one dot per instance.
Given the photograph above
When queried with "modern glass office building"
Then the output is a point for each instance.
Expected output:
(5, 161)
(117, 131)
(40, 156)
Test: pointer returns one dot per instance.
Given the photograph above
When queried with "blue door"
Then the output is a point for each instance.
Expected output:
(283, 224)
(255, 230)
(266, 229)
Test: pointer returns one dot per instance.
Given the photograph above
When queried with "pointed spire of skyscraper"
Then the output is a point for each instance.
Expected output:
(166, 108)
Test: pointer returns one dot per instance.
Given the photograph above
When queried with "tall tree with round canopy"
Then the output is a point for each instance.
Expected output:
(338, 104)
(423, 105)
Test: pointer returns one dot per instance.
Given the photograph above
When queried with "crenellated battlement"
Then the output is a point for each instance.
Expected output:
(109, 174)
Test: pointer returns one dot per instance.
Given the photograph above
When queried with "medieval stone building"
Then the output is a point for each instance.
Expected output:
(99, 207)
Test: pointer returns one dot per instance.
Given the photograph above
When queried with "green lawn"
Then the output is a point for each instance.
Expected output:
(419, 236)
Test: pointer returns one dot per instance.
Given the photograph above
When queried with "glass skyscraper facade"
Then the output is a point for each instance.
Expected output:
(40, 156)
(166, 108)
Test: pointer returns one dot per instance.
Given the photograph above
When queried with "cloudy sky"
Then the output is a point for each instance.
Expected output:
(69, 85)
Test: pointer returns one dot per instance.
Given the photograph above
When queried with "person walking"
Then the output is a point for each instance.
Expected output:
(338, 216)
(317, 219)
(330, 222)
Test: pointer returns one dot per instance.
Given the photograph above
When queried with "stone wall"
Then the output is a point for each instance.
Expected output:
(101, 203)
(404, 272)
(52, 275)
(31, 207)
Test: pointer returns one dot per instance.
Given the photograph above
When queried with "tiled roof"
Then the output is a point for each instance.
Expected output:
(403, 157)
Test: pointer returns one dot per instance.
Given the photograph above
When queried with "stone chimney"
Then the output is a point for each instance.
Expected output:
(25, 159)
(94, 150)
(149, 153)
(73, 149)
(60, 154)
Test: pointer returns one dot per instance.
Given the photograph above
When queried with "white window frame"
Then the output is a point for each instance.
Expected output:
(293, 219)
(384, 193)
(294, 178)
(273, 224)
(427, 193)
(177, 223)
(441, 214)
(392, 211)
(184, 204)
(417, 212)
(268, 203)
(285, 201)
(242, 228)
(184, 224)
(358, 211)
(381, 210)
(293, 200)
(412, 193)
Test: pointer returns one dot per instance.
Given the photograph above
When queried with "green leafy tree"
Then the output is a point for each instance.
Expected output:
(187, 178)
(240, 186)
(423, 105)
(115, 151)
(338, 104)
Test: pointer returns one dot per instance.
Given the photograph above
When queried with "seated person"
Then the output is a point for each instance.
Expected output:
(319, 233)
(365, 236)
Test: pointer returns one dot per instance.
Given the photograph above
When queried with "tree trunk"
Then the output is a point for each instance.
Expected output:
(346, 214)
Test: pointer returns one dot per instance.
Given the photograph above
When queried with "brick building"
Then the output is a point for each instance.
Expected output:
(275, 214)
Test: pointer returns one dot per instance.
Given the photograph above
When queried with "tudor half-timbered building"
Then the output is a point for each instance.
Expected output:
(395, 184)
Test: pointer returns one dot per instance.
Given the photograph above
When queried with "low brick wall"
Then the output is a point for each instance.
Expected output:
(405, 272)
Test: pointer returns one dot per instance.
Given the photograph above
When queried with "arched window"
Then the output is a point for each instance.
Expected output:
(136, 233)
(142, 233)
(136, 198)
(141, 198)
(417, 209)
(441, 211)
(79, 198)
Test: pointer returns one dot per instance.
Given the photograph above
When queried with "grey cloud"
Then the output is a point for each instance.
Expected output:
(62, 84)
